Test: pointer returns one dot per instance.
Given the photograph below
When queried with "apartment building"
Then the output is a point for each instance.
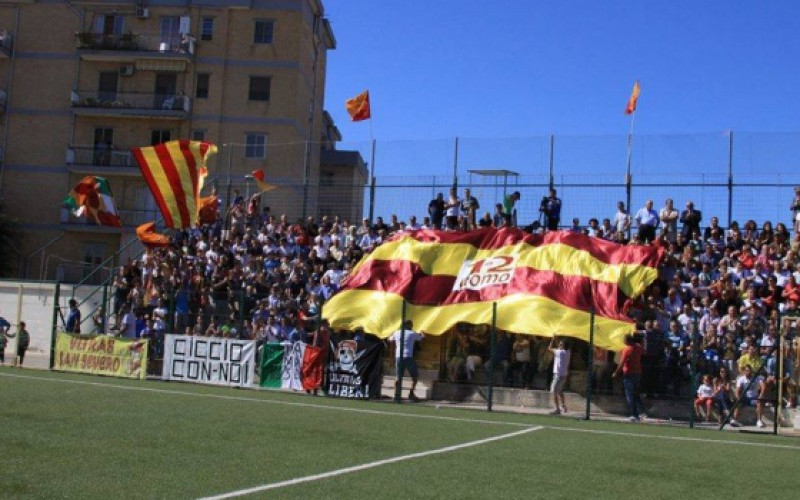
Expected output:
(83, 82)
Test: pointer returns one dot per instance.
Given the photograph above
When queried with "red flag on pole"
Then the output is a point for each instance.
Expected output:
(358, 107)
(632, 100)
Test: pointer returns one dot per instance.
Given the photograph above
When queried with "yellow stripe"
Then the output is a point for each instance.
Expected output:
(182, 167)
(157, 171)
(446, 259)
(379, 313)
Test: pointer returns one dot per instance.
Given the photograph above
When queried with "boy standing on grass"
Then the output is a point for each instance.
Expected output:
(560, 373)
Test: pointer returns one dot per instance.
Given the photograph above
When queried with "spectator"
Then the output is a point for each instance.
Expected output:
(436, 210)
(73, 324)
(646, 220)
(560, 374)
(551, 209)
(470, 206)
(690, 218)
(630, 367)
(404, 342)
(509, 210)
(669, 219)
(622, 220)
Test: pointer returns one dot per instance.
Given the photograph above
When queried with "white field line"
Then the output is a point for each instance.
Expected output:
(370, 465)
(407, 415)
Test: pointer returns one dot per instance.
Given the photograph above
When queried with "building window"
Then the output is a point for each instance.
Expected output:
(201, 91)
(94, 253)
(171, 31)
(259, 88)
(198, 135)
(263, 31)
(108, 24)
(256, 146)
(207, 29)
(159, 136)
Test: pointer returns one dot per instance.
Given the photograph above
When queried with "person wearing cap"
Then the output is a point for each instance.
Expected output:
(404, 355)
(509, 210)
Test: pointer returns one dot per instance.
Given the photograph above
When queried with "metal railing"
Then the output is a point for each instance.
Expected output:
(130, 100)
(136, 42)
(100, 156)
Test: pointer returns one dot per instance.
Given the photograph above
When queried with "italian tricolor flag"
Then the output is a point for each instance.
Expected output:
(92, 197)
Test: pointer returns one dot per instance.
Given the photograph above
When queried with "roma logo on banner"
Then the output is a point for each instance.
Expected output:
(542, 284)
(101, 355)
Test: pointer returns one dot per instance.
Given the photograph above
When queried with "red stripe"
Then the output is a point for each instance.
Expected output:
(407, 278)
(174, 179)
(490, 238)
(151, 182)
(191, 164)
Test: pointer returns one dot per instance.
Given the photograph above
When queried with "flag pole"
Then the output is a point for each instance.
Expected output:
(628, 179)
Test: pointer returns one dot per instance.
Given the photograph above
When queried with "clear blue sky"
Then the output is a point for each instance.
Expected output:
(519, 68)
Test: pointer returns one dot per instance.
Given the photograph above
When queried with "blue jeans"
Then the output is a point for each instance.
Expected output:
(632, 383)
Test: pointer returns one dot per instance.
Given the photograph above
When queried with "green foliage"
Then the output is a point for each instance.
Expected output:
(10, 236)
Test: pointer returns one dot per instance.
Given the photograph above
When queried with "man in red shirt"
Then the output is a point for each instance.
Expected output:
(630, 366)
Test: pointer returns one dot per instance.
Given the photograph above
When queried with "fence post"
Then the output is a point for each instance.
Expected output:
(54, 331)
(106, 309)
(730, 177)
(400, 366)
(695, 335)
(492, 345)
(590, 366)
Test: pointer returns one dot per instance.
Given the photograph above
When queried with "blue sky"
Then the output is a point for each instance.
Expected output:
(469, 68)
(489, 71)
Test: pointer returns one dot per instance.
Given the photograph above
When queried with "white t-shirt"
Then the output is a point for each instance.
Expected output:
(560, 362)
(408, 346)
(705, 391)
(754, 390)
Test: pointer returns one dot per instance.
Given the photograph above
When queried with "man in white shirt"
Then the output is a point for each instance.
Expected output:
(622, 219)
(560, 374)
(404, 340)
(647, 220)
(669, 219)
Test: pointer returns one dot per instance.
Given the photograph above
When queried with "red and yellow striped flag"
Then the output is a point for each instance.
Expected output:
(631, 107)
(358, 107)
(542, 284)
(175, 171)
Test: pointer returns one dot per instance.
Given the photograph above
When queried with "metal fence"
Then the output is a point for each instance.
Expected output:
(733, 176)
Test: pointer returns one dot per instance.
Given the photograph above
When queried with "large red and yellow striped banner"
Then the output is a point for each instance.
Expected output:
(542, 284)
(175, 171)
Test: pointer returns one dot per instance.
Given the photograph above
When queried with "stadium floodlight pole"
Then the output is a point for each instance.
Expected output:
(628, 176)
(455, 164)
(398, 389)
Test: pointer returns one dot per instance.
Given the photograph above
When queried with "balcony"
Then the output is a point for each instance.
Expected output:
(130, 105)
(101, 161)
(132, 46)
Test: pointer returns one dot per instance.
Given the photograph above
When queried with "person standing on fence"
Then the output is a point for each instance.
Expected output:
(73, 324)
(795, 208)
(560, 374)
(453, 208)
(647, 220)
(436, 211)
(509, 209)
(690, 218)
(622, 223)
(669, 220)
(551, 209)
(404, 356)
(630, 367)
(470, 206)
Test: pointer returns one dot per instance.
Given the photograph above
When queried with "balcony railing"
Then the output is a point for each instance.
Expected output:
(130, 100)
(135, 42)
(99, 156)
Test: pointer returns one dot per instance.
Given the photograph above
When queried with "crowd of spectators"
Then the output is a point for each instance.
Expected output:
(723, 295)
